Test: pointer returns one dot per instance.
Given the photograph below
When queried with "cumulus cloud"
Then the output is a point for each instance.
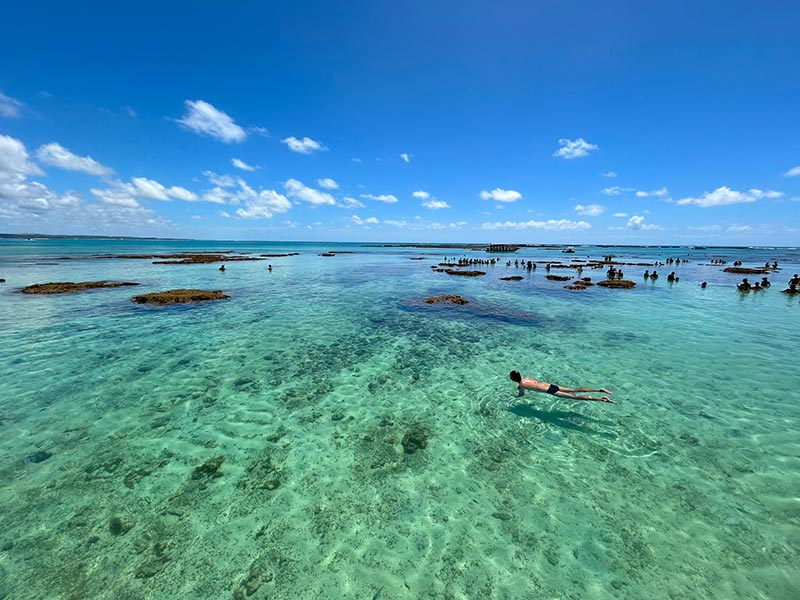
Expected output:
(574, 148)
(793, 172)
(297, 190)
(327, 183)
(126, 194)
(15, 163)
(620, 214)
(240, 164)
(304, 146)
(224, 181)
(550, 224)
(359, 221)
(56, 155)
(637, 222)
(435, 204)
(501, 195)
(10, 107)
(406, 157)
(348, 202)
(661, 193)
(609, 174)
(739, 228)
(263, 205)
(203, 118)
(616, 190)
(707, 228)
(723, 196)
(421, 194)
(590, 210)
(388, 198)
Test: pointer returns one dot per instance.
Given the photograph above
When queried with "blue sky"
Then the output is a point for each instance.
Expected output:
(535, 122)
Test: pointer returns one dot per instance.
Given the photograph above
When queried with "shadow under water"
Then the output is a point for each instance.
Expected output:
(564, 419)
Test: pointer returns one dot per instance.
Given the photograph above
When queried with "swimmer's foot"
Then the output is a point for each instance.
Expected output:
(606, 399)
(609, 392)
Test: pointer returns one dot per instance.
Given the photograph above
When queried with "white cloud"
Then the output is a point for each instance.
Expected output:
(574, 148)
(551, 224)
(723, 196)
(296, 189)
(359, 221)
(220, 180)
(56, 155)
(616, 190)
(126, 194)
(739, 228)
(637, 222)
(388, 198)
(661, 193)
(15, 163)
(421, 194)
(240, 164)
(501, 195)
(609, 174)
(620, 214)
(348, 202)
(203, 118)
(396, 223)
(435, 204)
(793, 172)
(327, 183)
(590, 210)
(406, 157)
(10, 107)
(304, 146)
(263, 205)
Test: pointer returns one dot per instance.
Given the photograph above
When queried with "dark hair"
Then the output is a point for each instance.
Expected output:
(515, 376)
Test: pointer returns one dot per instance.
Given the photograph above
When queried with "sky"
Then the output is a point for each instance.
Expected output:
(513, 121)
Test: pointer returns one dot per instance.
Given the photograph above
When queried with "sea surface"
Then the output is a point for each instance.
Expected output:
(325, 433)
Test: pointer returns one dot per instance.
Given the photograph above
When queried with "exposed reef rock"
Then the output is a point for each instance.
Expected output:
(514, 278)
(327, 254)
(448, 299)
(202, 259)
(179, 296)
(418, 258)
(280, 255)
(414, 439)
(210, 468)
(617, 283)
(747, 270)
(2, 280)
(67, 287)
(558, 277)
(464, 273)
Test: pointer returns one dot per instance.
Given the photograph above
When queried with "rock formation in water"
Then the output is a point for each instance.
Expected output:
(67, 287)
(448, 299)
(179, 296)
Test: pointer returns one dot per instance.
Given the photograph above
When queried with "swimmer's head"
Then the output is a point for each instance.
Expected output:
(515, 376)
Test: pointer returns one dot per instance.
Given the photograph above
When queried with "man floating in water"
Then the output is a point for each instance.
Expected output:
(529, 383)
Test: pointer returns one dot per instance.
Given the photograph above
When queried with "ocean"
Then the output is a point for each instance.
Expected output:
(325, 433)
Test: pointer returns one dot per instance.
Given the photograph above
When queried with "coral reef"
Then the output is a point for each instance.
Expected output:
(67, 287)
(558, 277)
(514, 278)
(464, 273)
(448, 299)
(179, 296)
(617, 283)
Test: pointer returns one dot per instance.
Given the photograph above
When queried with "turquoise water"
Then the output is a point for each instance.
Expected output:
(307, 380)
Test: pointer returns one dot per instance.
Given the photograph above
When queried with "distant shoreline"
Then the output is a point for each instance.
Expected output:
(423, 245)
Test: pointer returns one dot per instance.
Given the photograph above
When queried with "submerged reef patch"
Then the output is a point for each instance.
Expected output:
(617, 283)
(68, 287)
(179, 296)
(448, 299)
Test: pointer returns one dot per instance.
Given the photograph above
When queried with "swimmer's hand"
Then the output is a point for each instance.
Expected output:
(606, 399)
(605, 391)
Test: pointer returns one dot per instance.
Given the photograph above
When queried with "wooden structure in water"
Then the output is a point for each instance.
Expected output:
(501, 248)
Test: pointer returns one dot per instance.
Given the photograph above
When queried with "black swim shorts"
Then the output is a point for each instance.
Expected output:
(553, 389)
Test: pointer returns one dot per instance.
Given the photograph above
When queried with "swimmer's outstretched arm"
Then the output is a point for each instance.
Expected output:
(562, 394)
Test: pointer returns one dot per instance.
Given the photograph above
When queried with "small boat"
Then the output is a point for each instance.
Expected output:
(569, 251)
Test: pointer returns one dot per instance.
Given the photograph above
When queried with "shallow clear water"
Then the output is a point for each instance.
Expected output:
(307, 380)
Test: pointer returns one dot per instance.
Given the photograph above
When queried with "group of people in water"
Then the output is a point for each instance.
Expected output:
(746, 286)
